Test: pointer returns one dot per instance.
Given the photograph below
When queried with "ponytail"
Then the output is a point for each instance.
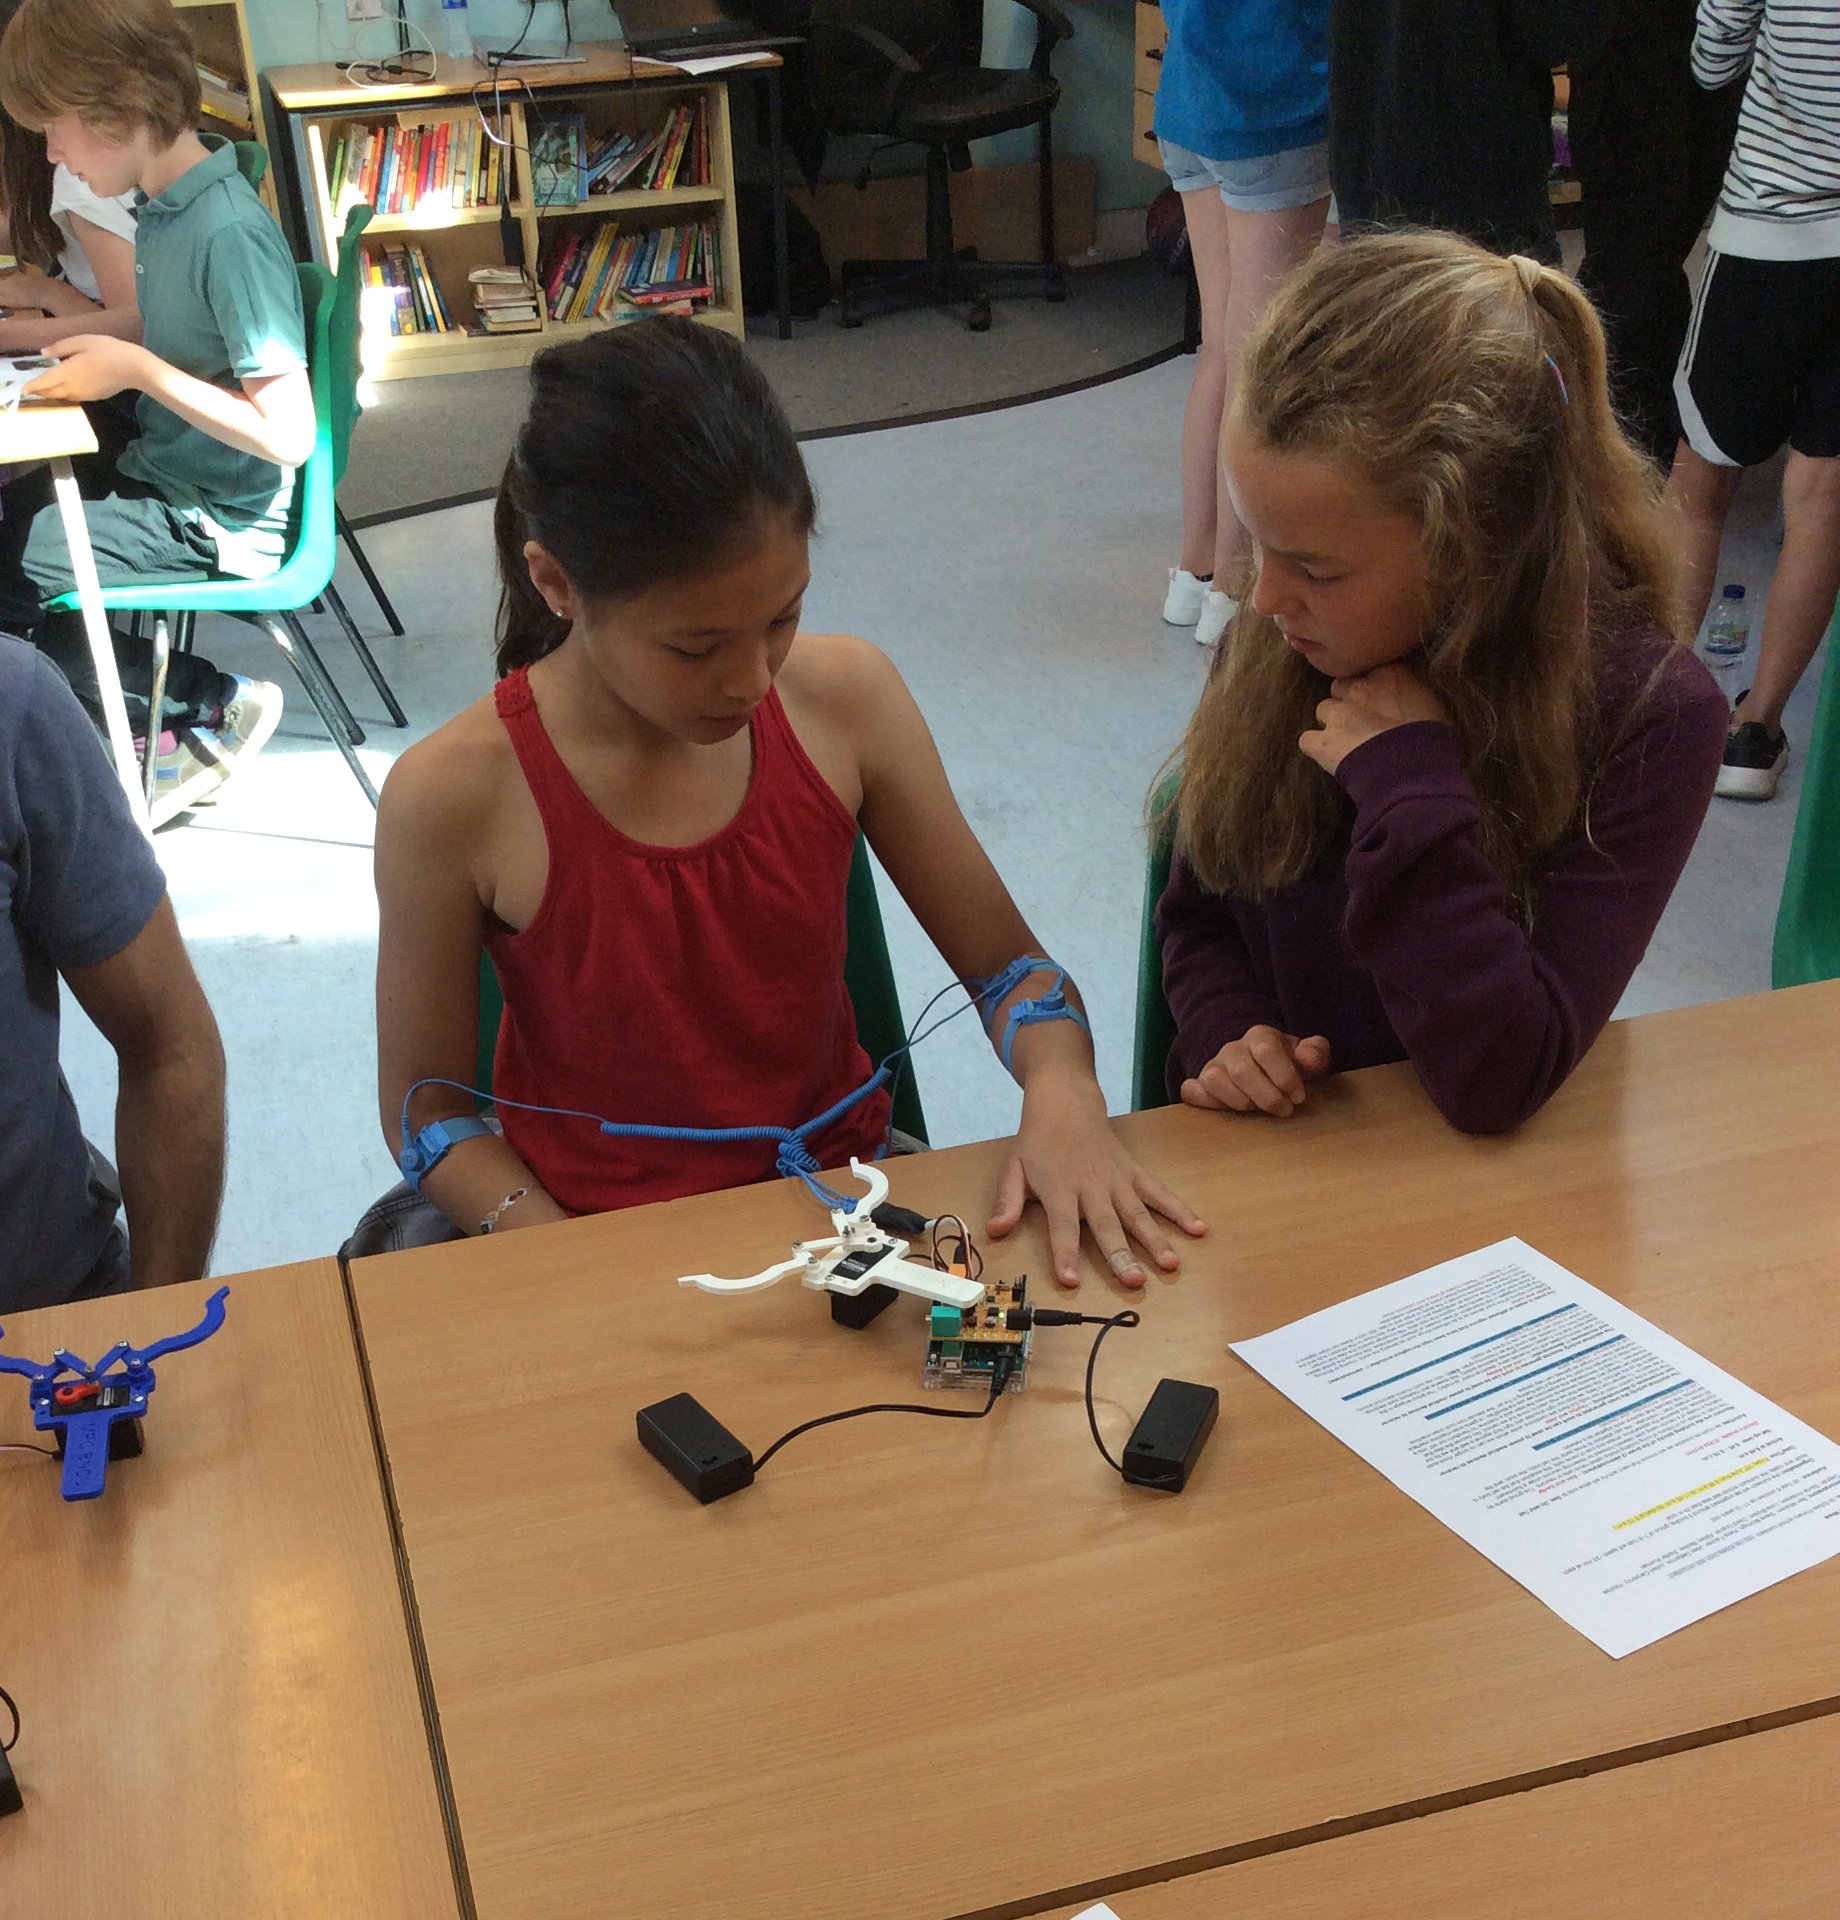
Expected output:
(651, 452)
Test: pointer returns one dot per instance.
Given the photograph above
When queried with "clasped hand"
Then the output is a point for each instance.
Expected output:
(1364, 705)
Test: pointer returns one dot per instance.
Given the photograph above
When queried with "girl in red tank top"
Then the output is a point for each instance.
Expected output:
(649, 827)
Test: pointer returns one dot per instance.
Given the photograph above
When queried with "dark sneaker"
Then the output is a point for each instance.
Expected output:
(1755, 756)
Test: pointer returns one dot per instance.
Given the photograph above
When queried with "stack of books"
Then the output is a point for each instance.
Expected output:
(416, 304)
(505, 300)
(615, 274)
(408, 169)
(673, 155)
(223, 97)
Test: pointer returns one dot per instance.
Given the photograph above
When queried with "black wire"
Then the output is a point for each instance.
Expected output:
(999, 1379)
(27, 1446)
(1129, 1318)
(7, 1746)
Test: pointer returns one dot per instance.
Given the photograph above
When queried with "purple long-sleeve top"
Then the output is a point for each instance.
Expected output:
(1407, 946)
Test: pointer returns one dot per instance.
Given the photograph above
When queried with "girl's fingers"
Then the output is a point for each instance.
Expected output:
(1141, 1225)
(1313, 1054)
(1114, 1248)
(1012, 1197)
(1273, 1056)
(1258, 1090)
(1222, 1084)
(1194, 1094)
(1063, 1213)
(1170, 1205)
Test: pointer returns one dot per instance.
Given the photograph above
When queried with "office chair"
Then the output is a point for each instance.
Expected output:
(904, 70)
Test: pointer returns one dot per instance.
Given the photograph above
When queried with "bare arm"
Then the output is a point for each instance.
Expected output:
(271, 418)
(111, 259)
(1066, 1153)
(429, 937)
(169, 1111)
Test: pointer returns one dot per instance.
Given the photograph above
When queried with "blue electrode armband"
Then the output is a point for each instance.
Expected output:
(1052, 1005)
(433, 1144)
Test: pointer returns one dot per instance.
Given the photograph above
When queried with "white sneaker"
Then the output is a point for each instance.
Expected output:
(1182, 606)
(1217, 613)
(250, 718)
(188, 776)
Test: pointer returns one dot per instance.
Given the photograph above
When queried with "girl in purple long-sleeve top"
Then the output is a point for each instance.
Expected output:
(1442, 785)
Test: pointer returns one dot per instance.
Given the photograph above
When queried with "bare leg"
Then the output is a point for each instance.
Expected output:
(1206, 213)
(1263, 247)
(1804, 587)
(1700, 494)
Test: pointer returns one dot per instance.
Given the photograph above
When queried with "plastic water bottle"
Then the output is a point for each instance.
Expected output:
(457, 32)
(1728, 632)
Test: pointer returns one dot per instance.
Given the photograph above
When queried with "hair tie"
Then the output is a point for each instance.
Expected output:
(1529, 270)
(1564, 394)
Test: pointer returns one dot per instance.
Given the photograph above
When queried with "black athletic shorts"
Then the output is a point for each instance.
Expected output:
(1762, 360)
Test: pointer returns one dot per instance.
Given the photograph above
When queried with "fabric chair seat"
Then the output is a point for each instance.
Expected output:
(972, 103)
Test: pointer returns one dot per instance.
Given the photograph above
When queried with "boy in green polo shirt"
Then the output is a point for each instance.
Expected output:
(226, 408)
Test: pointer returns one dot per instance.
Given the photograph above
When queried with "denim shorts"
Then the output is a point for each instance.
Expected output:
(1269, 184)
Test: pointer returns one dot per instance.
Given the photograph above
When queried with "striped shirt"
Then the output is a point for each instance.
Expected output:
(1781, 197)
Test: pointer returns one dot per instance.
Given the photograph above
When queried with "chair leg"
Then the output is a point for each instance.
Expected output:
(366, 659)
(353, 732)
(287, 633)
(156, 707)
(1044, 152)
(364, 567)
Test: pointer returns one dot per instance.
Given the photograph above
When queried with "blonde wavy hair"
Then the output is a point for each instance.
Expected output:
(1469, 391)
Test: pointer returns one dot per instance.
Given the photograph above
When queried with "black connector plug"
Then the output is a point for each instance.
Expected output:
(685, 1437)
(1169, 1435)
(11, 1800)
(903, 1222)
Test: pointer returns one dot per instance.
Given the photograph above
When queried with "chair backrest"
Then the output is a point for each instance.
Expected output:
(345, 335)
(252, 161)
(314, 547)
(1808, 921)
(867, 973)
(852, 87)
(1156, 1026)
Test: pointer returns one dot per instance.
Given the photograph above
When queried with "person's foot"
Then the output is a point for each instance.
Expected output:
(188, 774)
(1182, 604)
(249, 718)
(1217, 613)
(1755, 756)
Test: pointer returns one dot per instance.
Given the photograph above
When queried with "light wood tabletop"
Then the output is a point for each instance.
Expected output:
(219, 1709)
(927, 1669)
(43, 430)
(1745, 1826)
(319, 86)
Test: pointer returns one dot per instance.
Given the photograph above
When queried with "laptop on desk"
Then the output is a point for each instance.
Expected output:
(676, 29)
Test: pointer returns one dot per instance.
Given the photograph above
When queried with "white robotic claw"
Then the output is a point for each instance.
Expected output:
(859, 1255)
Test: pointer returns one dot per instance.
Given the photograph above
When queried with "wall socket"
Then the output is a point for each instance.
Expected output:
(363, 9)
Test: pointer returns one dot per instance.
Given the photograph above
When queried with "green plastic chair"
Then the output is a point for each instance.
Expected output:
(1156, 1026)
(273, 602)
(867, 973)
(1808, 921)
(252, 163)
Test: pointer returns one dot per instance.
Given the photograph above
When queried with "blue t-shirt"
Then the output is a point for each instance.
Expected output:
(78, 881)
(1244, 78)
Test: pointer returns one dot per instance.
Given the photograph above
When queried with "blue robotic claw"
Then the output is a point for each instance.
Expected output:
(95, 1411)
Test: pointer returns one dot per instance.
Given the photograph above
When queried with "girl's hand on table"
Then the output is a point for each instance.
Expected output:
(1368, 704)
(27, 287)
(1263, 1071)
(1067, 1155)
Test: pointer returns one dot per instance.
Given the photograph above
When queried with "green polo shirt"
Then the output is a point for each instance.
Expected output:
(220, 299)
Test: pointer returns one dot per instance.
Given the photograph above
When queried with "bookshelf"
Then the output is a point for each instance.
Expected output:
(219, 32)
(447, 222)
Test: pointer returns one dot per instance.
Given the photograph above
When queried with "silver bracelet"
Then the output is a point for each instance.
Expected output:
(510, 1200)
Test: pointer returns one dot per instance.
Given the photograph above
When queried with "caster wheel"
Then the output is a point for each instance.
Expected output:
(979, 319)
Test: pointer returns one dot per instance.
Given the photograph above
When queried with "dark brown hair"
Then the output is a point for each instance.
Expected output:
(118, 65)
(651, 452)
(1469, 392)
(25, 186)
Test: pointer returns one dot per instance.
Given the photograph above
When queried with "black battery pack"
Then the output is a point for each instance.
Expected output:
(1169, 1435)
(695, 1446)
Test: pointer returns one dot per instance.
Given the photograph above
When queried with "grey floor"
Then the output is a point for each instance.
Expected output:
(441, 439)
(1013, 565)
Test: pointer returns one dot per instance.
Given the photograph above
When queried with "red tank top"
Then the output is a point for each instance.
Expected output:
(696, 986)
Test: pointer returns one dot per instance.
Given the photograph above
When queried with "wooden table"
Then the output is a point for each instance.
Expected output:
(51, 431)
(1742, 1827)
(923, 1669)
(219, 1707)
